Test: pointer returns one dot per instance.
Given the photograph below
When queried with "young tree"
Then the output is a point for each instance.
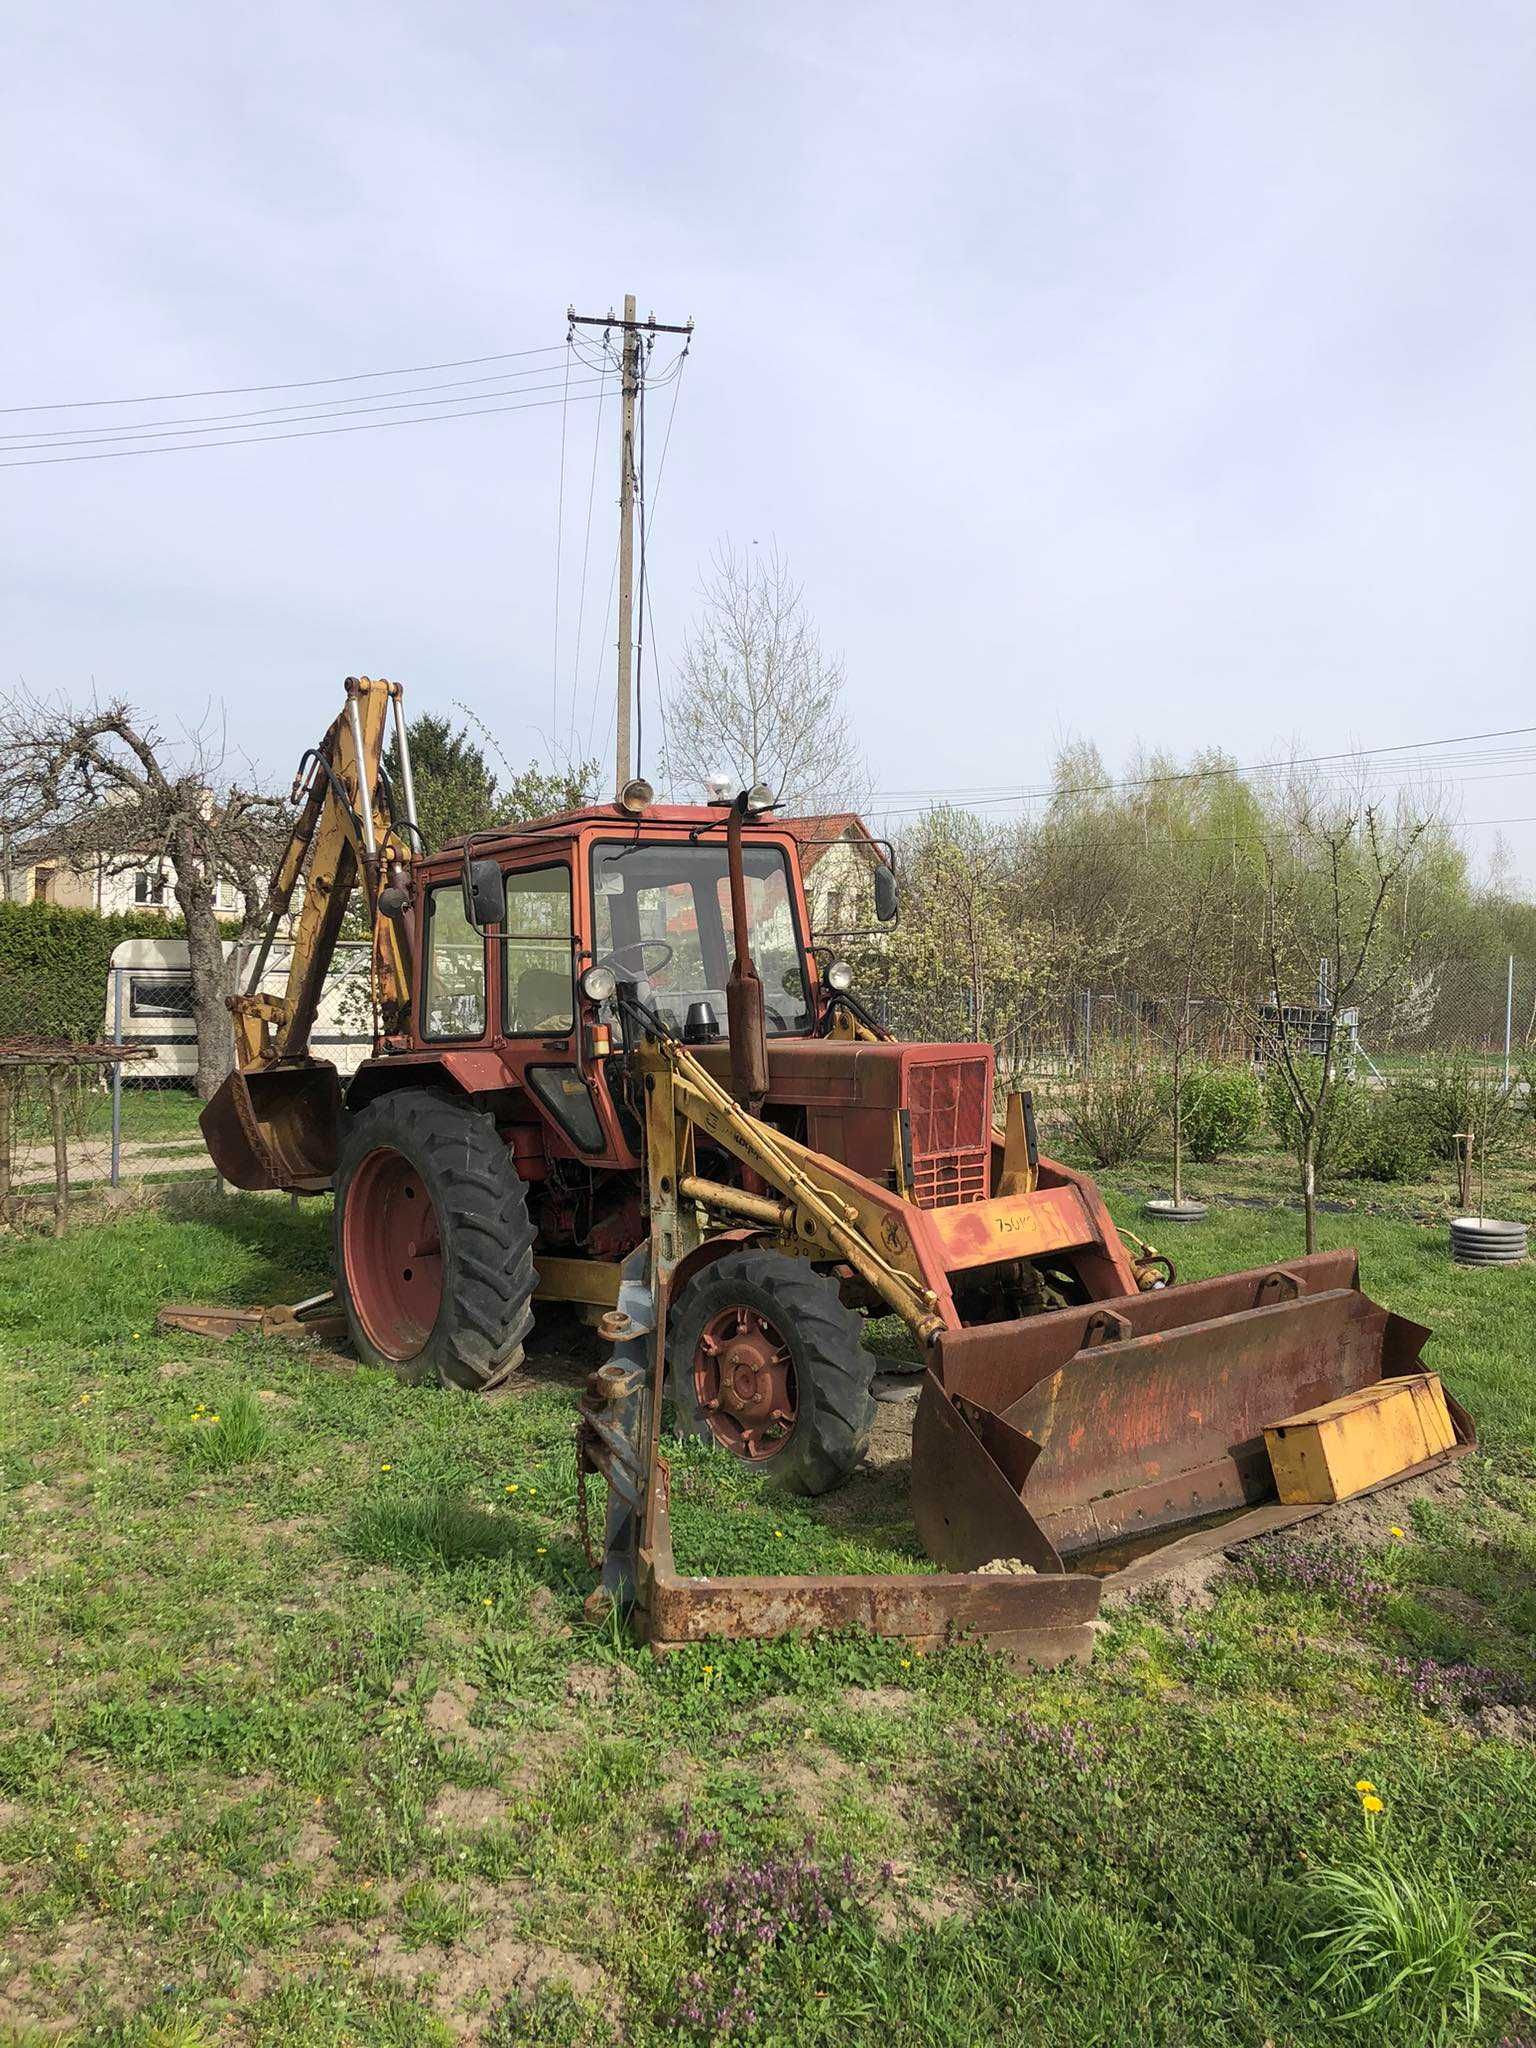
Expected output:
(757, 697)
(1330, 947)
(458, 791)
(1196, 927)
(114, 791)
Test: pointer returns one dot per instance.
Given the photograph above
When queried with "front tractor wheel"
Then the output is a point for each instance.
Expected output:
(433, 1247)
(768, 1363)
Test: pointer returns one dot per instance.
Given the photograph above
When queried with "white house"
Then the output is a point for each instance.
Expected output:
(838, 859)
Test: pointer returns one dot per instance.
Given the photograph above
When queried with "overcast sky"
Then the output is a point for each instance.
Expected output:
(1114, 371)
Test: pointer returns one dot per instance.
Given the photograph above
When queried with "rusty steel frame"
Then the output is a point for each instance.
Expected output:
(1101, 1379)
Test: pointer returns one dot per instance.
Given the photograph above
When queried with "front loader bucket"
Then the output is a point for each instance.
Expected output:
(276, 1127)
(1098, 1425)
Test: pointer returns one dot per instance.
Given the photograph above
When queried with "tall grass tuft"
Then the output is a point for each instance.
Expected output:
(237, 1437)
(1398, 1938)
(438, 1531)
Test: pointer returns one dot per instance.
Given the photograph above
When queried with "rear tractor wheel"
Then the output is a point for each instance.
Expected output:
(433, 1247)
(767, 1363)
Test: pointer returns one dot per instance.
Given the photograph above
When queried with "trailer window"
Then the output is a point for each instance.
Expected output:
(453, 1001)
(537, 999)
(154, 995)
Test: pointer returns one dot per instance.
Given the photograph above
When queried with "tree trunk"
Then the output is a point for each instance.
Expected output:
(209, 971)
(1309, 1191)
(1178, 1126)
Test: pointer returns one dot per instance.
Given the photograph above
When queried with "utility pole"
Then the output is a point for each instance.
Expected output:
(633, 369)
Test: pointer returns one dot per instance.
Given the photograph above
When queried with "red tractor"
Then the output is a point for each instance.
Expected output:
(609, 1045)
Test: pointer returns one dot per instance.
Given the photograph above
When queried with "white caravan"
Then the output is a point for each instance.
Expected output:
(152, 980)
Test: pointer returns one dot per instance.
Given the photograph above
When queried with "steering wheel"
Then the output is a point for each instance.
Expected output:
(639, 972)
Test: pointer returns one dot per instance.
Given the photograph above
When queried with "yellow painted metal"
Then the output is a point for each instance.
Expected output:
(592, 1281)
(328, 851)
(834, 1216)
(1020, 1175)
(1339, 1449)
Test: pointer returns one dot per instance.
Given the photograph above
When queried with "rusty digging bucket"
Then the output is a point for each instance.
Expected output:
(1089, 1429)
(276, 1126)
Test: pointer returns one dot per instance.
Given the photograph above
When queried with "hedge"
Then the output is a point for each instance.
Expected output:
(53, 966)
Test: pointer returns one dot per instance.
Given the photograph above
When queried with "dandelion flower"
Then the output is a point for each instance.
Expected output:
(1371, 1803)
(1364, 1785)
(386, 1468)
(778, 1532)
(213, 1418)
(487, 1601)
(511, 1489)
(906, 1663)
(1399, 1533)
(542, 1548)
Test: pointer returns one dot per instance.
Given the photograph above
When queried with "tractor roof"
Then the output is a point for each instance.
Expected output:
(667, 816)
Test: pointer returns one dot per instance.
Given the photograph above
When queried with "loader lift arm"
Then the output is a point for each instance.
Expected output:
(273, 1121)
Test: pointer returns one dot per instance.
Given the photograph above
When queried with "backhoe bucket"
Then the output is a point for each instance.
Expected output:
(276, 1126)
(1091, 1427)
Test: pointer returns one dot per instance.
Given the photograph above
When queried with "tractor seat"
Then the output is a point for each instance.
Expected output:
(542, 1001)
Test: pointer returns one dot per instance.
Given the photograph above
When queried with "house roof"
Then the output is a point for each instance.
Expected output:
(816, 837)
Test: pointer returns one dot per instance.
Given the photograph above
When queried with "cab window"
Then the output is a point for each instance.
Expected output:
(538, 1000)
(453, 1001)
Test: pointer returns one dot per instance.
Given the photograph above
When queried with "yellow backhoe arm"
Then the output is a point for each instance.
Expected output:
(344, 833)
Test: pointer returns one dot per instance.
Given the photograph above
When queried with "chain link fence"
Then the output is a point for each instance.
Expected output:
(1486, 1011)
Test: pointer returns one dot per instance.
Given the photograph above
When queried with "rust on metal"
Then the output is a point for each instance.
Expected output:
(319, 1316)
(276, 1126)
(1036, 1618)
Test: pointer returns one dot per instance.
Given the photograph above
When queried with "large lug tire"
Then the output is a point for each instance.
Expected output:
(767, 1363)
(433, 1247)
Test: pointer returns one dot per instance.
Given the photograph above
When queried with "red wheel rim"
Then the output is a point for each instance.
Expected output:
(392, 1250)
(744, 1379)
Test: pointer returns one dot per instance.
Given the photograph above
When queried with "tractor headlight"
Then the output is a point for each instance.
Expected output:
(598, 984)
(840, 977)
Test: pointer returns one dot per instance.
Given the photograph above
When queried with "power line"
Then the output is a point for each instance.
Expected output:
(299, 434)
(298, 384)
(321, 407)
(351, 409)
(1199, 774)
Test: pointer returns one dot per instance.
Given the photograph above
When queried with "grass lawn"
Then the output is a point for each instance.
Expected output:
(304, 1741)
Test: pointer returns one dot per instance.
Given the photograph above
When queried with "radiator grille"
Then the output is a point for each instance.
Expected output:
(949, 1106)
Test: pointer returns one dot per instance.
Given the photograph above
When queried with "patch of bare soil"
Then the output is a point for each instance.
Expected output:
(1506, 1723)
(448, 1710)
(900, 1911)
(467, 1806)
(813, 1779)
(467, 1983)
(878, 1699)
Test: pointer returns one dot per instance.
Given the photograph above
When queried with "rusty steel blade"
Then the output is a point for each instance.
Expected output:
(968, 1467)
(1149, 1411)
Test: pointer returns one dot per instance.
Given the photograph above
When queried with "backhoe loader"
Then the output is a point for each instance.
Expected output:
(614, 1069)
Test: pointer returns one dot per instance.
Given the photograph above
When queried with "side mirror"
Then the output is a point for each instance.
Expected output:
(887, 898)
(485, 893)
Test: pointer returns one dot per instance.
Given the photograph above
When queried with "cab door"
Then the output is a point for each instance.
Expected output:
(539, 1012)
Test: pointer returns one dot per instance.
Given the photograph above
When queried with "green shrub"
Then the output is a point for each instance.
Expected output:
(1338, 1123)
(1119, 1104)
(53, 966)
(1222, 1110)
(1455, 1092)
(1389, 1142)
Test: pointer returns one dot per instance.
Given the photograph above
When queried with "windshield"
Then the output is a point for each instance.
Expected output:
(662, 919)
